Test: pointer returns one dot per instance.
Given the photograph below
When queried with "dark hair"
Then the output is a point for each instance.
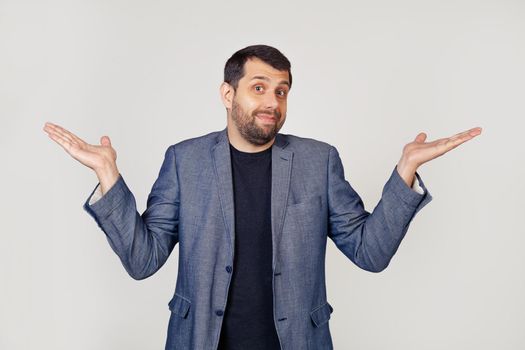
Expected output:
(234, 68)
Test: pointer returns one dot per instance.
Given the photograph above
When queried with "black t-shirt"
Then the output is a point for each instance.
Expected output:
(248, 320)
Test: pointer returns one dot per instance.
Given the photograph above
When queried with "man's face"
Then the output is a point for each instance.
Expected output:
(259, 103)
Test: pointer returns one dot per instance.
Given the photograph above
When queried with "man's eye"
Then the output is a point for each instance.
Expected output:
(282, 92)
(258, 86)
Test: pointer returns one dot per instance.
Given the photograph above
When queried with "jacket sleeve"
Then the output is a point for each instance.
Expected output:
(142, 242)
(370, 240)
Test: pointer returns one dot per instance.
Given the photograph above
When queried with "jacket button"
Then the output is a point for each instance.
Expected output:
(229, 269)
(219, 313)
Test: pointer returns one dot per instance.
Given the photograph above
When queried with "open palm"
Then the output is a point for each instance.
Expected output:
(419, 151)
(93, 156)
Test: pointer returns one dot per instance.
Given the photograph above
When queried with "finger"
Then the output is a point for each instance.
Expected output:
(421, 137)
(59, 131)
(63, 142)
(458, 139)
(53, 131)
(105, 141)
(467, 135)
(64, 133)
(475, 131)
(69, 134)
(471, 132)
(444, 145)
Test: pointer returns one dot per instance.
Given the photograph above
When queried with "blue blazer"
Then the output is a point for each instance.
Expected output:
(191, 203)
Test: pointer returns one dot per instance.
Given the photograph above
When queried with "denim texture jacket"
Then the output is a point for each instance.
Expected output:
(191, 203)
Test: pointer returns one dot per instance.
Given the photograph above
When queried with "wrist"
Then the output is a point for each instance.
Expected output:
(406, 171)
(107, 176)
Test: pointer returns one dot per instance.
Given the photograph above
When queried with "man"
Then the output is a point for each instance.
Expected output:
(251, 210)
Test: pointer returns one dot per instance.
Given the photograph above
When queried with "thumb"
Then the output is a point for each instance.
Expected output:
(105, 141)
(421, 137)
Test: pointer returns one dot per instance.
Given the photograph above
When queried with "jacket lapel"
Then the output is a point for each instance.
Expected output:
(281, 174)
(223, 172)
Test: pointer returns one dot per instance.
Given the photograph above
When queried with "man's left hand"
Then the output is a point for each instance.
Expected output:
(419, 152)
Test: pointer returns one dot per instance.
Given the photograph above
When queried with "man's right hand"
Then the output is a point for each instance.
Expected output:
(102, 159)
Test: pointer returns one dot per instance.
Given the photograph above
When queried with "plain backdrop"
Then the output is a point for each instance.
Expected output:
(367, 78)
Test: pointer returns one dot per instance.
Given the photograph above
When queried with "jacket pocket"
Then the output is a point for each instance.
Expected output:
(314, 200)
(179, 305)
(321, 314)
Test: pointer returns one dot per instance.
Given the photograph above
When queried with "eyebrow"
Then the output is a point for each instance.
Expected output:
(267, 79)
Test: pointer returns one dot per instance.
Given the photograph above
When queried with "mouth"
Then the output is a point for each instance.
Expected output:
(267, 117)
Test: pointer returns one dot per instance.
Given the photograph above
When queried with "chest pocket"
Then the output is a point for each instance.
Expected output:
(305, 214)
(310, 202)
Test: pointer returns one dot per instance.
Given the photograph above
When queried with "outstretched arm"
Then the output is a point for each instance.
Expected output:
(370, 239)
(142, 242)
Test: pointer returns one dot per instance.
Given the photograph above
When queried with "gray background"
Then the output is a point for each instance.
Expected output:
(368, 76)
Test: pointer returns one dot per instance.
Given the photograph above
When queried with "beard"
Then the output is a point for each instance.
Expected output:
(248, 128)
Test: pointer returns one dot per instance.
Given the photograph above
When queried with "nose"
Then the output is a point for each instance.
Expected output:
(270, 101)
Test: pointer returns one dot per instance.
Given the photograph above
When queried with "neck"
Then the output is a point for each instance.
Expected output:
(242, 144)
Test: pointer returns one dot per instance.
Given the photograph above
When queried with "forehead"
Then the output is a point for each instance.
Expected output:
(255, 67)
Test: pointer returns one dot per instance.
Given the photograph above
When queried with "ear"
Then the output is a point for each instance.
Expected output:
(227, 91)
